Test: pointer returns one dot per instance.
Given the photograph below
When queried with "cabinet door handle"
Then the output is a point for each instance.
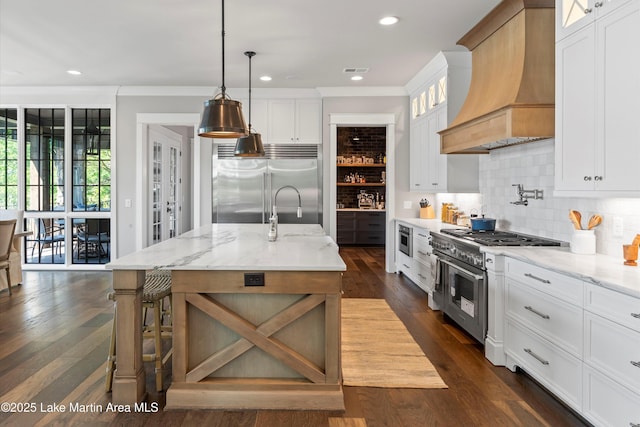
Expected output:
(424, 278)
(434, 183)
(636, 364)
(588, 10)
(587, 178)
(535, 356)
(597, 178)
(406, 266)
(534, 311)
(489, 260)
(537, 278)
(423, 253)
(636, 315)
(422, 235)
(598, 4)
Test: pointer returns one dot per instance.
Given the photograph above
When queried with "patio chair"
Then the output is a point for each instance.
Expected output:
(7, 230)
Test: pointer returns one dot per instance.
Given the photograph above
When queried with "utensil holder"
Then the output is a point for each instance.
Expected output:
(583, 242)
(427, 213)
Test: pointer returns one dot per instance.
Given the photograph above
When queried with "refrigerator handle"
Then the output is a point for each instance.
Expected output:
(264, 189)
(270, 193)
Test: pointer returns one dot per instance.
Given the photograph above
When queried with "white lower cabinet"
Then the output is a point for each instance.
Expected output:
(611, 358)
(580, 340)
(543, 332)
(548, 316)
(418, 267)
(607, 403)
(556, 369)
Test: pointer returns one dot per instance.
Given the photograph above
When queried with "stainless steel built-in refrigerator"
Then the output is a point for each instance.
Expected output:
(244, 188)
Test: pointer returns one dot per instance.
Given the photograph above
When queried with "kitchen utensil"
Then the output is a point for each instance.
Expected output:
(483, 224)
(576, 218)
(594, 221)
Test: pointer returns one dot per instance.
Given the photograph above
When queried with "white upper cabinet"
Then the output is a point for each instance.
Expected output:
(572, 15)
(436, 95)
(259, 115)
(597, 105)
(295, 121)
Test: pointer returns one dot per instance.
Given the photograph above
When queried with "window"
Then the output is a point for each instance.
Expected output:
(8, 158)
(91, 160)
(44, 159)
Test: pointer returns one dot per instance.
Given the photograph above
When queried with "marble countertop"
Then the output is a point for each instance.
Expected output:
(428, 224)
(359, 210)
(602, 270)
(299, 247)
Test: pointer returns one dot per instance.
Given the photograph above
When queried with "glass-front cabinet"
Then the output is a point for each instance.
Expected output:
(572, 15)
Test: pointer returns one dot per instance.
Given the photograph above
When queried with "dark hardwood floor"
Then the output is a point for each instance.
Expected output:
(54, 334)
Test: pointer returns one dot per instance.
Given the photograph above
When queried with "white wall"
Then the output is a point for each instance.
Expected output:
(126, 111)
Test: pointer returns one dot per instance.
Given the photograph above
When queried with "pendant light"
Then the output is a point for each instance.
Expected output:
(222, 116)
(251, 144)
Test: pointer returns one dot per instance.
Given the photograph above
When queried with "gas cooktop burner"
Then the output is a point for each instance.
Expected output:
(500, 238)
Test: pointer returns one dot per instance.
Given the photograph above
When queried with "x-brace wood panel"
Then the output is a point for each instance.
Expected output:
(259, 336)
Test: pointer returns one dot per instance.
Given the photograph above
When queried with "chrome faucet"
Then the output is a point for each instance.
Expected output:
(524, 195)
(273, 221)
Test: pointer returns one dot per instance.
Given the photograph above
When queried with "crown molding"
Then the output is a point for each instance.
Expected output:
(344, 91)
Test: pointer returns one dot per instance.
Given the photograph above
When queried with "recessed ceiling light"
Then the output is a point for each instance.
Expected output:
(74, 72)
(388, 20)
(265, 78)
(356, 78)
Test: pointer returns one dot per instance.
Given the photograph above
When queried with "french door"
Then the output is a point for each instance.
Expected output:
(164, 165)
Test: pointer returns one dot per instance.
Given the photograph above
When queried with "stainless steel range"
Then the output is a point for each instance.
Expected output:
(461, 279)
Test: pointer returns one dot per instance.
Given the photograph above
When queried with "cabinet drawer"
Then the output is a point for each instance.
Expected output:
(346, 220)
(404, 264)
(365, 223)
(557, 370)
(553, 319)
(422, 252)
(345, 237)
(550, 282)
(607, 403)
(423, 276)
(613, 349)
(421, 236)
(370, 238)
(620, 308)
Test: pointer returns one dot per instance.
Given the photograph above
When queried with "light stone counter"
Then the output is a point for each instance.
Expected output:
(299, 247)
(428, 224)
(602, 270)
(256, 324)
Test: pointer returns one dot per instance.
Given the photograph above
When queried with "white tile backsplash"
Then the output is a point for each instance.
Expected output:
(532, 165)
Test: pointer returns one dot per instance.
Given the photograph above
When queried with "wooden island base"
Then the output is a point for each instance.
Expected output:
(275, 346)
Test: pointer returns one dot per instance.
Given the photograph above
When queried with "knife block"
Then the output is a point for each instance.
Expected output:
(427, 213)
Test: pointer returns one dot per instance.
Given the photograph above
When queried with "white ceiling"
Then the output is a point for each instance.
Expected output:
(301, 43)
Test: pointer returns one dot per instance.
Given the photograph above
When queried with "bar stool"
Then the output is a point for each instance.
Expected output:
(157, 286)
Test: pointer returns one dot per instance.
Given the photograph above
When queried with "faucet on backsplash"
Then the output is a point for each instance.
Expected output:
(525, 195)
(273, 221)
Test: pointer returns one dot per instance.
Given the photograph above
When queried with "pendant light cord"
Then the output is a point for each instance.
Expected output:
(250, 56)
(223, 85)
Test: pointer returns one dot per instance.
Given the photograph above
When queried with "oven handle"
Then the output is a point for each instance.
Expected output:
(457, 267)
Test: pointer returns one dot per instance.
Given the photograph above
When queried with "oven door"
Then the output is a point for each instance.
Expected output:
(405, 240)
(464, 297)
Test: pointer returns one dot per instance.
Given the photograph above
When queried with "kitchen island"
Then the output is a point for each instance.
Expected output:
(256, 324)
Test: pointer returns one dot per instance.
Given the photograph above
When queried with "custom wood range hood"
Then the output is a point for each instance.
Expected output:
(511, 96)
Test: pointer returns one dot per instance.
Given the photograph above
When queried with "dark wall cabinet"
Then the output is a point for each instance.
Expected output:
(361, 228)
